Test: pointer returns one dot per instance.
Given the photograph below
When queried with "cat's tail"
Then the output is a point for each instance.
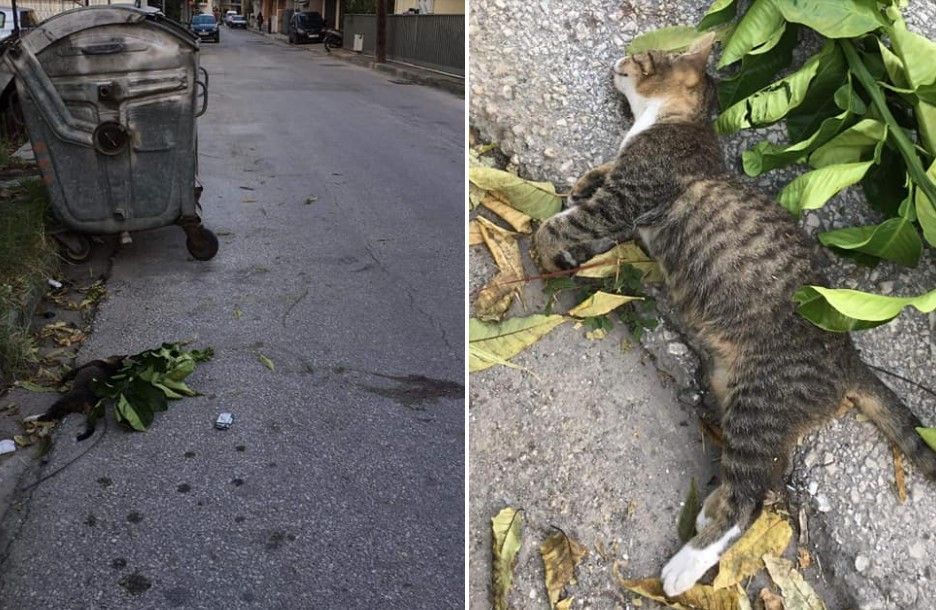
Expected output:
(895, 419)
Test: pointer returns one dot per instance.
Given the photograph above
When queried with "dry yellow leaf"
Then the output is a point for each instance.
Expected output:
(770, 533)
(600, 303)
(699, 597)
(495, 297)
(506, 530)
(536, 199)
(561, 555)
(565, 604)
(770, 600)
(797, 594)
(490, 344)
(474, 234)
(803, 558)
(607, 263)
(500, 242)
(596, 335)
(517, 219)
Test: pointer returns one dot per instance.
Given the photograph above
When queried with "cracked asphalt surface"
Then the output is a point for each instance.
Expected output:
(338, 199)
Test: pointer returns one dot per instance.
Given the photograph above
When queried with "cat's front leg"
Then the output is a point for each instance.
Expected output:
(579, 233)
(586, 186)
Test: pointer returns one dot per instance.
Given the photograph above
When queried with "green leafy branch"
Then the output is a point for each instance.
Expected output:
(147, 382)
(862, 110)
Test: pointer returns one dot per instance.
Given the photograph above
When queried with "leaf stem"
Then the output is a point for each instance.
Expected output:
(897, 135)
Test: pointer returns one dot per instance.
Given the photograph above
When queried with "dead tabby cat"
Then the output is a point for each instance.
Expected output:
(732, 259)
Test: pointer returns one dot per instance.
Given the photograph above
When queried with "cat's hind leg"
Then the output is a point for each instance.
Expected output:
(757, 439)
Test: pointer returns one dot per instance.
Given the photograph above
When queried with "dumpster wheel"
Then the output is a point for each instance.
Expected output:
(74, 247)
(202, 243)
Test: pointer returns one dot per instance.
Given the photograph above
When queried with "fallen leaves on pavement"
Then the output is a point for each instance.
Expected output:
(496, 343)
(474, 234)
(608, 263)
(600, 303)
(699, 597)
(517, 219)
(561, 555)
(536, 199)
(797, 594)
(506, 533)
(495, 297)
(64, 334)
(770, 600)
(33, 432)
(769, 534)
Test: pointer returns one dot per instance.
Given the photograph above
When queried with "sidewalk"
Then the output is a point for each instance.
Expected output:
(399, 70)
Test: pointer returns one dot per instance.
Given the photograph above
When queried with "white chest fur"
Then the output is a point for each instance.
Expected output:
(649, 112)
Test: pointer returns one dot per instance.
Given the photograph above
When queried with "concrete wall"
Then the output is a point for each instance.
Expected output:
(431, 7)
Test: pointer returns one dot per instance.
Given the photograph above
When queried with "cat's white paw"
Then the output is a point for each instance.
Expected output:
(701, 520)
(690, 564)
(685, 568)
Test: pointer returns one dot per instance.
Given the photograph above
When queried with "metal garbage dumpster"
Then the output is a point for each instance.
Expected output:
(110, 96)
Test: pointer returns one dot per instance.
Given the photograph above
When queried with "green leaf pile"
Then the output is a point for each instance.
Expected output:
(147, 381)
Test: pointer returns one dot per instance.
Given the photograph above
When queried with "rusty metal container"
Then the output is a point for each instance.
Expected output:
(110, 96)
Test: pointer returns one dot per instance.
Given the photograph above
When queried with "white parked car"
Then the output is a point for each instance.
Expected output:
(227, 17)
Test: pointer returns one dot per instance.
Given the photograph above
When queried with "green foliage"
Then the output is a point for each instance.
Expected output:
(861, 110)
(147, 382)
(637, 316)
(27, 259)
(840, 310)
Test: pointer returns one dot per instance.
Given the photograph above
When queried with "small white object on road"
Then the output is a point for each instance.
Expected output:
(862, 563)
(55, 283)
(7, 446)
(224, 421)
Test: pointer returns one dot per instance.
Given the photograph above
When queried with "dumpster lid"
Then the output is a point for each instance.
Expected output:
(65, 24)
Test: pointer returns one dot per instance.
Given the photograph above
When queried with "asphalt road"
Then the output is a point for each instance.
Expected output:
(338, 198)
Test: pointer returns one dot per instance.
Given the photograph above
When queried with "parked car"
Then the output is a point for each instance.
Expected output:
(238, 21)
(305, 27)
(227, 17)
(27, 20)
(206, 27)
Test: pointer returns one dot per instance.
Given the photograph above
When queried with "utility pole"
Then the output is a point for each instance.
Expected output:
(381, 50)
(15, 19)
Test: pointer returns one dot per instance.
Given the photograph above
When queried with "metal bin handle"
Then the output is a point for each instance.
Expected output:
(204, 107)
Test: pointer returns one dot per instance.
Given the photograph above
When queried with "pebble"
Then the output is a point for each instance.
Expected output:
(677, 349)
(862, 563)
(822, 504)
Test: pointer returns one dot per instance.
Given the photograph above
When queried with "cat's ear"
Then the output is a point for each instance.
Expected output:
(700, 50)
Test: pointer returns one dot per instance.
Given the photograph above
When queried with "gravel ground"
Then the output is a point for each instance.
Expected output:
(540, 88)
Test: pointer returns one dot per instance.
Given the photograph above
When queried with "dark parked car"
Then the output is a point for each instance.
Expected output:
(237, 21)
(306, 27)
(206, 27)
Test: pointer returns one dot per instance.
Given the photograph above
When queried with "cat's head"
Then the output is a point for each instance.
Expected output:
(676, 82)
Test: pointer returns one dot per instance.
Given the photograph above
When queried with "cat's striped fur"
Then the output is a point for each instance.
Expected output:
(732, 259)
